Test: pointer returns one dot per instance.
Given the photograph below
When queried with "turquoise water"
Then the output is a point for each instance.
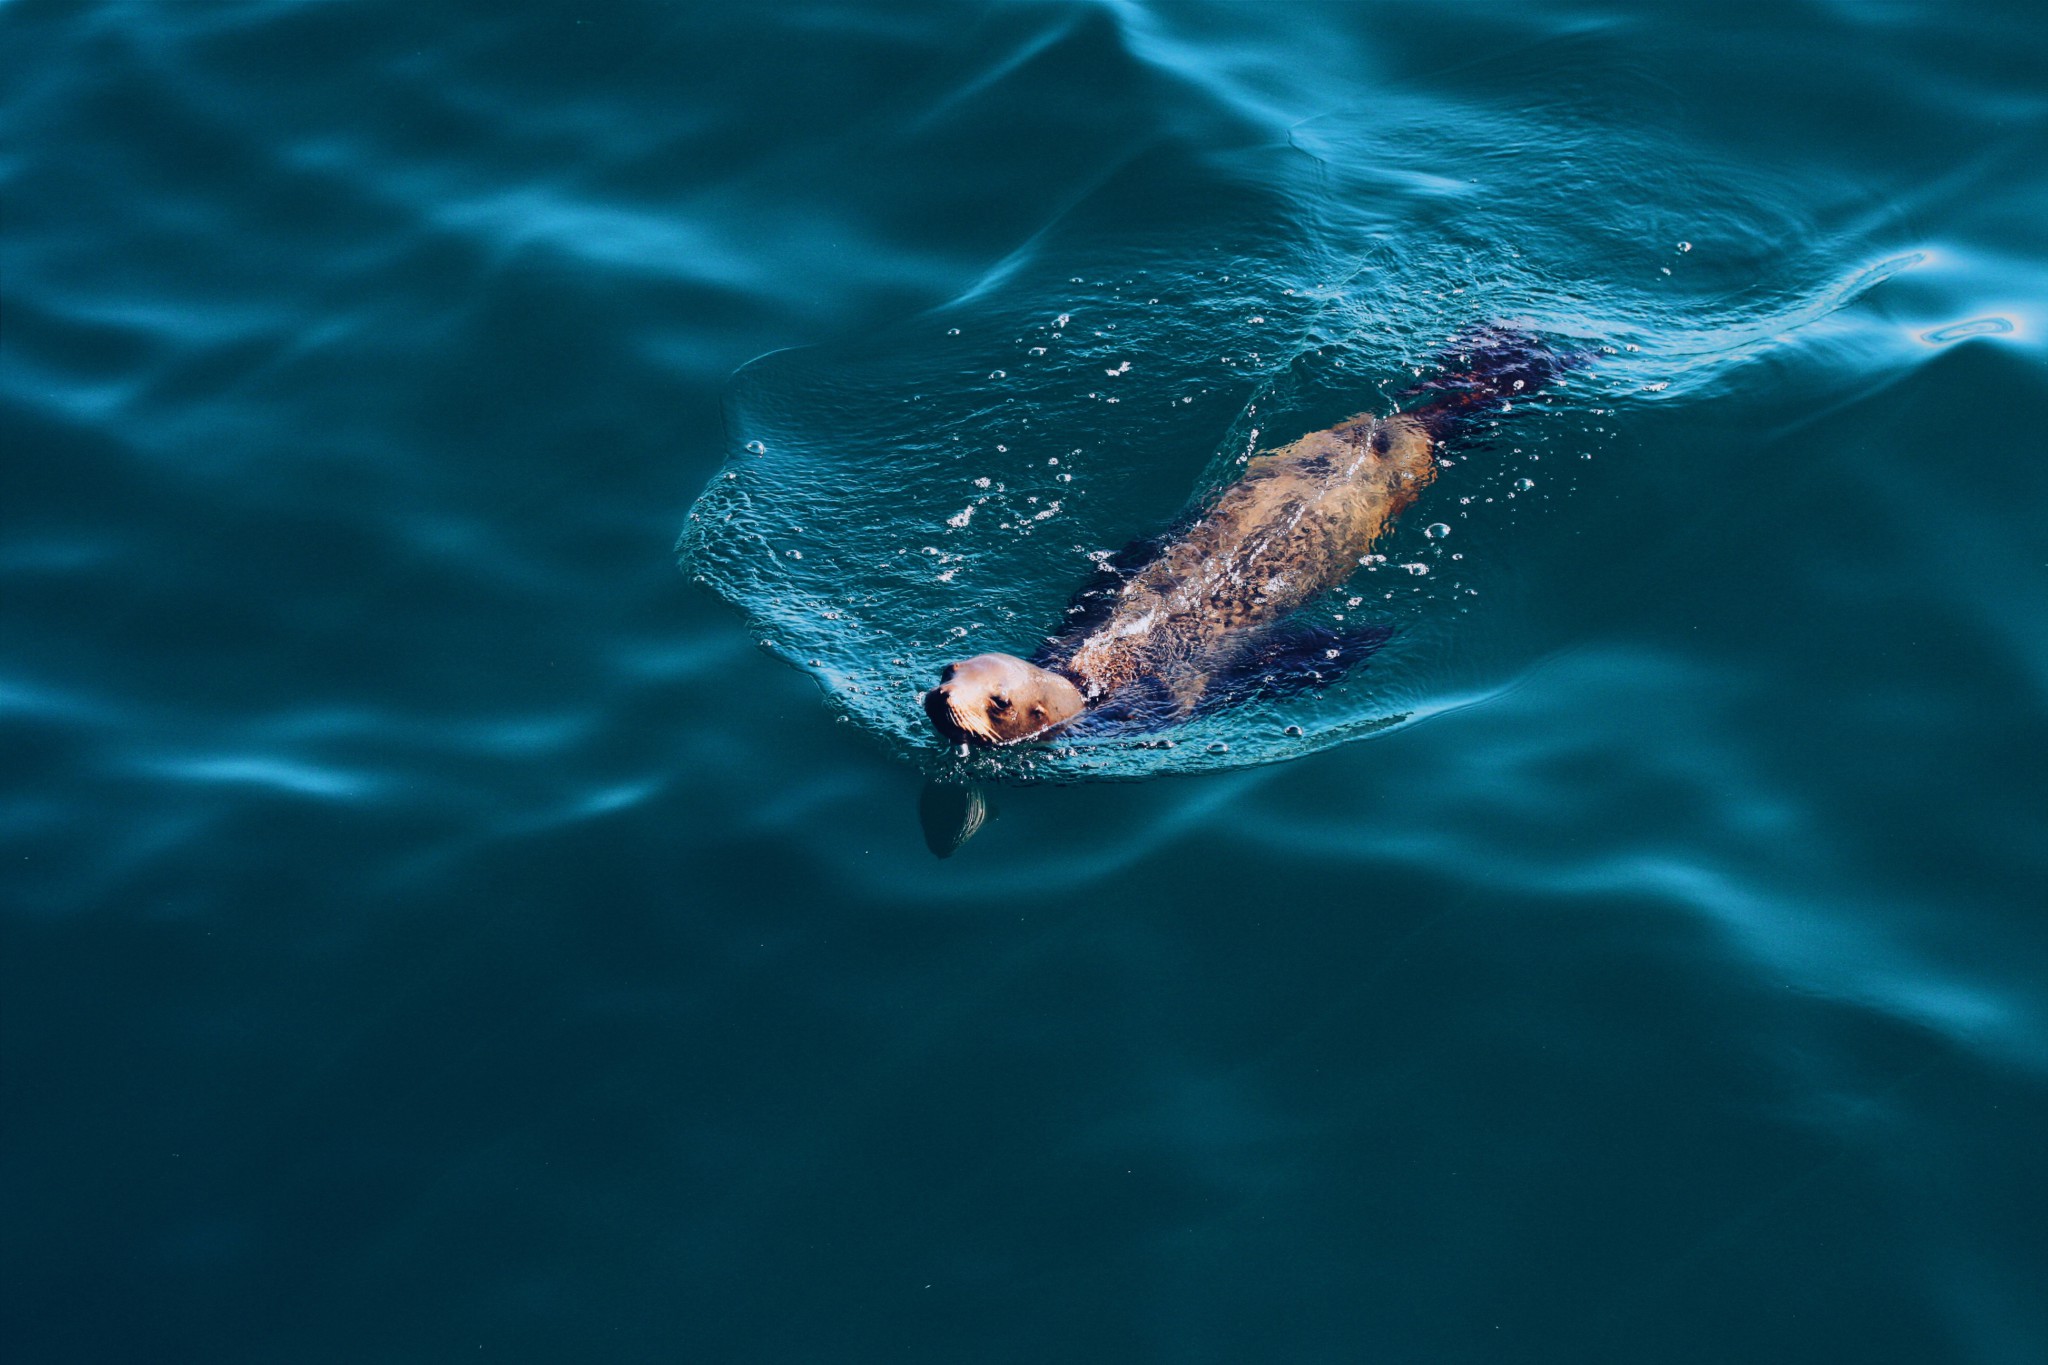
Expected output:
(437, 927)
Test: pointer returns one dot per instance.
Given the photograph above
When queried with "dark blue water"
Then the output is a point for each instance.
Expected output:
(437, 928)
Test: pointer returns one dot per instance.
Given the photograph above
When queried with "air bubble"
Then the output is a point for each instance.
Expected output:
(756, 448)
(1436, 530)
(1524, 485)
(1219, 747)
(1417, 569)
(1292, 732)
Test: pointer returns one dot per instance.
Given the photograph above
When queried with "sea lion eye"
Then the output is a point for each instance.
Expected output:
(999, 703)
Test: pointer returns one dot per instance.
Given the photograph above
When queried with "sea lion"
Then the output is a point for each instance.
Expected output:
(1198, 620)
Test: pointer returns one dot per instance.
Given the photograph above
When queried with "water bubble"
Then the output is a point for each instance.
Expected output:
(952, 331)
(1524, 485)
(1292, 732)
(997, 374)
(756, 448)
(1417, 569)
(1436, 530)
(1219, 747)
(1685, 246)
(794, 554)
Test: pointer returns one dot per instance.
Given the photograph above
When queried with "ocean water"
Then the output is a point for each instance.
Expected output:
(444, 922)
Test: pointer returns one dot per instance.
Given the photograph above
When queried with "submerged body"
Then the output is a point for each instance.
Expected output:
(1294, 526)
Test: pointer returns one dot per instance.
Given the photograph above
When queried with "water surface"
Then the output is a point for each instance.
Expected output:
(438, 927)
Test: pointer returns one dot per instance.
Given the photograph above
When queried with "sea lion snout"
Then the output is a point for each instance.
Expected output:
(999, 699)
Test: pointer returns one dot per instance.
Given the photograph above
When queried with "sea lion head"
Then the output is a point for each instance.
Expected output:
(999, 699)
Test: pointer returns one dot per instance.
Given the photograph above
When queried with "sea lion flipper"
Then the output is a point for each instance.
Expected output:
(951, 815)
(1295, 656)
(1488, 370)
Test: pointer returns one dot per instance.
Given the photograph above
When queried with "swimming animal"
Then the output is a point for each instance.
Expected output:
(1200, 619)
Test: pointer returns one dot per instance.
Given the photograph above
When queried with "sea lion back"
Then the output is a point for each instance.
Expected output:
(1293, 526)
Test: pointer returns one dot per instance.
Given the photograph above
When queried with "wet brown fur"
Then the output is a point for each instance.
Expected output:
(1295, 525)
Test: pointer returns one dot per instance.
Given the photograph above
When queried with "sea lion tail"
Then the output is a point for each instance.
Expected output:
(1485, 372)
